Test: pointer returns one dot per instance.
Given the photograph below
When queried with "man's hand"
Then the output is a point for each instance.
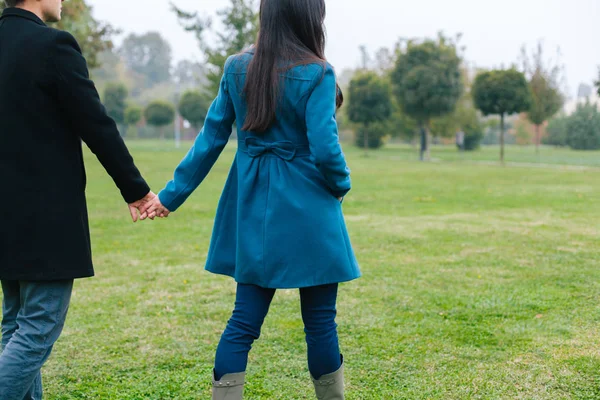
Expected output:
(138, 205)
(153, 209)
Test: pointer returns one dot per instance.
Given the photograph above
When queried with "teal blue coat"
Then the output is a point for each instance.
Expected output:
(279, 223)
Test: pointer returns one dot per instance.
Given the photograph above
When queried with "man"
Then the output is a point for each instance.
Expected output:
(47, 106)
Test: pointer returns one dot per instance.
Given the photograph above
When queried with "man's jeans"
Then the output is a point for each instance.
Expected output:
(33, 316)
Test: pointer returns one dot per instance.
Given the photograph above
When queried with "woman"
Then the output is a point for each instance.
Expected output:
(279, 223)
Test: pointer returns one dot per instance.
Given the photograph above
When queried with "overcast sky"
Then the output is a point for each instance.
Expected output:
(493, 31)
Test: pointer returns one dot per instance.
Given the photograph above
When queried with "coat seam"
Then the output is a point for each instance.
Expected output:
(264, 240)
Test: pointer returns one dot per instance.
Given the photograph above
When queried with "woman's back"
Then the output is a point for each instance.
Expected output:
(296, 85)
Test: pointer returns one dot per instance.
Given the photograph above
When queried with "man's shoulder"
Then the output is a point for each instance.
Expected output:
(62, 38)
(46, 36)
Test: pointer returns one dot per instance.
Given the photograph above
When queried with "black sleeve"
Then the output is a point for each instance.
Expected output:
(80, 101)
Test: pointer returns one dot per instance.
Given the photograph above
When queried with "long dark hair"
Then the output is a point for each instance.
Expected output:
(292, 33)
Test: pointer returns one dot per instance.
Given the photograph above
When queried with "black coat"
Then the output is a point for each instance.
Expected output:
(47, 106)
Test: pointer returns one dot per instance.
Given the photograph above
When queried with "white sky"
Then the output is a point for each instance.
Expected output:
(493, 31)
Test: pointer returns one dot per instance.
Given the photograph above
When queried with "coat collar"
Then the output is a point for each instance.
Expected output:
(19, 12)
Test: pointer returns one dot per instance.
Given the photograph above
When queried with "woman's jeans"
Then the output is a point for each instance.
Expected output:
(251, 307)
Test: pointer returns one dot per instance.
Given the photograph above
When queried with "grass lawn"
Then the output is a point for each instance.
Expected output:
(480, 282)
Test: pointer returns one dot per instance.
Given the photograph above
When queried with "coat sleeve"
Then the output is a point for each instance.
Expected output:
(79, 99)
(209, 144)
(322, 134)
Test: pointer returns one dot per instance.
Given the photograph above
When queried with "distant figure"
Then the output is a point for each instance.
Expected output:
(47, 106)
(460, 140)
(279, 223)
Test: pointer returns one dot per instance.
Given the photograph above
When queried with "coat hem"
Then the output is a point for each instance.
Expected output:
(268, 286)
(35, 278)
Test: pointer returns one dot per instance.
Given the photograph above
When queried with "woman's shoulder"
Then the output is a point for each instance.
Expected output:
(313, 71)
(238, 63)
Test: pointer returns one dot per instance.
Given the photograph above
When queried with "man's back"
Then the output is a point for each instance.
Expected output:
(38, 150)
(47, 106)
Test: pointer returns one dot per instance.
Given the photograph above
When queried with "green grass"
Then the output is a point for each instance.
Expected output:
(480, 282)
(515, 155)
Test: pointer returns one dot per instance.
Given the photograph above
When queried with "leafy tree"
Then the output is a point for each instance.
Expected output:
(93, 36)
(193, 107)
(115, 96)
(148, 55)
(401, 125)
(427, 81)
(109, 68)
(133, 115)
(501, 92)
(239, 29)
(371, 136)
(598, 84)
(159, 114)
(583, 128)
(189, 74)
(546, 97)
(384, 60)
(557, 132)
(369, 102)
(473, 140)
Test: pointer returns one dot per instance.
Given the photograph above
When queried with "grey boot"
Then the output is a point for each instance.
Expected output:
(330, 386)
(230, 387)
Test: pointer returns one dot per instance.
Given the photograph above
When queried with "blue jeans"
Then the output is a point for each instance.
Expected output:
(33, 316)
(251, 307)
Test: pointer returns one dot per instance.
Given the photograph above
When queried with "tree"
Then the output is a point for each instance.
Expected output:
(557, 132)
(371, 136)
(401, 125)
(501, 92)
(193, 107)
(427, 81)
(115, 96)
(133, 115)
(109, 69)
(583, 128)
(93, 36)
(189, 74)
(384, 60)
(369, 102)
(238, 31)
(544, 83)
(464, 118)
(148, 55)
(598, 83)
(159, 114)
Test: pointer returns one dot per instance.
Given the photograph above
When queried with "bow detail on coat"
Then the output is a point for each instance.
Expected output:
(283, 149)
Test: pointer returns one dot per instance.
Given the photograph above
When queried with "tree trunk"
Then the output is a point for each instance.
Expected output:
(538, 139)
(502, 138)
(427, 142)
(366, 139)
(162, 133)
(423, 134)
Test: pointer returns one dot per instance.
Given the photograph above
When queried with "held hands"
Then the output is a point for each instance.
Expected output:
(137, 206)
(148, 207)
(153, 209)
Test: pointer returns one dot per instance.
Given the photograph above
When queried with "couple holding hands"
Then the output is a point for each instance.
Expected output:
(279, 222)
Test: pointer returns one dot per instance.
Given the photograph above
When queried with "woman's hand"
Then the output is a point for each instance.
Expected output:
(153, 209)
